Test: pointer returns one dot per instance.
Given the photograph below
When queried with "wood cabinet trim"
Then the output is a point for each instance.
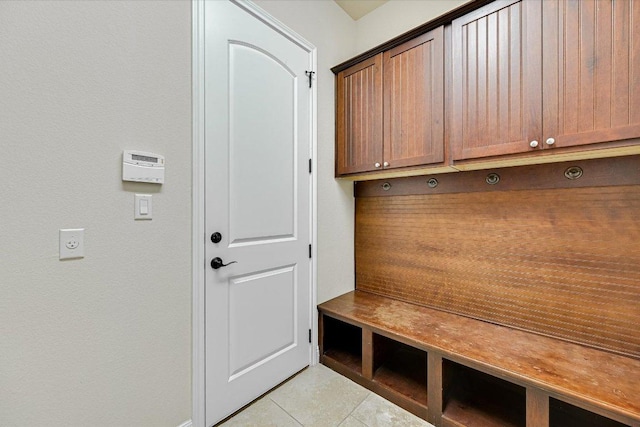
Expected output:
(396, 41)
(597, 172)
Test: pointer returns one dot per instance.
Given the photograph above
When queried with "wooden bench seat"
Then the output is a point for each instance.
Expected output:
(552, 376)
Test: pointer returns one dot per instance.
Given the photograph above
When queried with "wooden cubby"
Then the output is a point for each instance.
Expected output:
(342, 343)
(400, 368)
(473, 398)
(454, 371)
(562, 414)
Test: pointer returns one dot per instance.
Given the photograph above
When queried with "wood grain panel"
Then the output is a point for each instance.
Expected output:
(559, 262)
(359, 117)
(591, 69)
(434, 388)
(537, 408)
(414, 101)
(496, 87)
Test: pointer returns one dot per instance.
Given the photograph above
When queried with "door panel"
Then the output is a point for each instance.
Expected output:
(591, 60)
(258, 187)
(268, 104)
(414, 101)
(496, 83)
(259, 332)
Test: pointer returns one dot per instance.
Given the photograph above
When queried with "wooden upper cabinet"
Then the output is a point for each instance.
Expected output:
(414, 102)
(496, 95)
(536, 75)
(591, 74)
(390, 108)
(359, 117)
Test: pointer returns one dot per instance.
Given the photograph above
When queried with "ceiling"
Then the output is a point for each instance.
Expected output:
(358, 8)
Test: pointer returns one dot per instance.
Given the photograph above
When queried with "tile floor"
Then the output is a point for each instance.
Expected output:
(320, 397)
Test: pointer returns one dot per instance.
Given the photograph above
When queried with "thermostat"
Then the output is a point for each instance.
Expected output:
(140, 166)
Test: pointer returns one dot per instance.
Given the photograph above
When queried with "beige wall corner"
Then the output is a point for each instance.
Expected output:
(396, 17)
(332, 32)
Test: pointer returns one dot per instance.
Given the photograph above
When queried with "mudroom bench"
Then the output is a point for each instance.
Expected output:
(453, 370)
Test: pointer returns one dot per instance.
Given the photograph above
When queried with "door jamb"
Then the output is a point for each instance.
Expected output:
(198, 198)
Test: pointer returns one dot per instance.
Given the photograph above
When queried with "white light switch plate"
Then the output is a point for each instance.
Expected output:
(71, 243)
(143, 207)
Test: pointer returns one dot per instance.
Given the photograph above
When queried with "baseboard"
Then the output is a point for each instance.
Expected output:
(187, 423)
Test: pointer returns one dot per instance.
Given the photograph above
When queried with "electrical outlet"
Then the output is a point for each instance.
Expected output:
(71, 243)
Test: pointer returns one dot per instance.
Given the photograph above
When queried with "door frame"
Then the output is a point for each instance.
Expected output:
(198, 237)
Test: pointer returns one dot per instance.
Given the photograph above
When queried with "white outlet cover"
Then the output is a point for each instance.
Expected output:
(71, 243)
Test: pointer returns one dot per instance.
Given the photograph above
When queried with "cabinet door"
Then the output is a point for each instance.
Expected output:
(414, 102)
(591, 59)
(497, 77)
(359, 117)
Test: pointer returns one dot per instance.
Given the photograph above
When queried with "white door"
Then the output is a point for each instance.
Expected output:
(258, 197)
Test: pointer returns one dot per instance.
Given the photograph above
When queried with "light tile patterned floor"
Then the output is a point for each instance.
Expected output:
(319, 397)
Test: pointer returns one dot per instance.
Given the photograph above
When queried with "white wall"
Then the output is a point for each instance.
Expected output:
(396, 17)
(324, 24)
(104, 340)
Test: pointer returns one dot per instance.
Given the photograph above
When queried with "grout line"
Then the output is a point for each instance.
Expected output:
(357, 406)
(285, 411)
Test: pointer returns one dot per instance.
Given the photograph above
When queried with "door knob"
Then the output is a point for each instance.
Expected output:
(216, 237)
(533, 144)
(551, 141)
(377, 165)
(385, 164)
(217, 262)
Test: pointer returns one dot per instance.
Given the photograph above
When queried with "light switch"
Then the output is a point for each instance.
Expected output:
(143, 207)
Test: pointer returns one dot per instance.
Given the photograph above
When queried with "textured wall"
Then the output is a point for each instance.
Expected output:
(104, 340)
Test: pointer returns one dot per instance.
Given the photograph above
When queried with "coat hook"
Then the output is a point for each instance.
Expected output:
(310, 75)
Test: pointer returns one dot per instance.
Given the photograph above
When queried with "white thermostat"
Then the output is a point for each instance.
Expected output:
(140, 166)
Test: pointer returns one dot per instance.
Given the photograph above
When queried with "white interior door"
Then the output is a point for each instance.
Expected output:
(257, 196)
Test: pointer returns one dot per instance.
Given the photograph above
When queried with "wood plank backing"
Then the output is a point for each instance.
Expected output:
(559, 262)
(598, 381)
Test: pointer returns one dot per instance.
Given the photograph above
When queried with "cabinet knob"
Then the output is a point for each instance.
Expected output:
(377, 165)
(385, 164)
(533, 144)
(551, 141)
